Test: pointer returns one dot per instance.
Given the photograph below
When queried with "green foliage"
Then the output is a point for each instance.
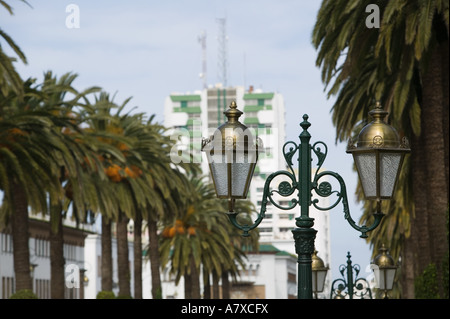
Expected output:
(106, 295)
(445, 276)
(24, 294)
(425, 285)
(158, 294)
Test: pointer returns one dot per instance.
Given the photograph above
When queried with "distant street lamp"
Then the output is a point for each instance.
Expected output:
(384, 271)
(319, 273)
(232, 153)
(32, 271)
(350, 285)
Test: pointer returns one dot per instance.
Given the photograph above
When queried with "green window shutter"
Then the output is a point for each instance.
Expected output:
(179, 98)
(256, 96)
(251, 120)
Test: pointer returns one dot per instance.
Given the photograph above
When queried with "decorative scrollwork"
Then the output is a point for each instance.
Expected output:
(320, 155)
(324, 189)
(341, 196)
(405, 142)
(285, 188)
(289, 154)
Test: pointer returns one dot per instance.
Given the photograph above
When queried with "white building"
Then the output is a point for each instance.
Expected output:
(39, 231)
(268, 274)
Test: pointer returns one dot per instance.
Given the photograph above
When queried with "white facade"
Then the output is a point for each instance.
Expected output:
(270, 274)
(39, 246)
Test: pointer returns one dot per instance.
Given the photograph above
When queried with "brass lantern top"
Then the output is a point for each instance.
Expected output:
(317, 262)
(384, 260)
(379, 134)
(232, 129)
(233, 135)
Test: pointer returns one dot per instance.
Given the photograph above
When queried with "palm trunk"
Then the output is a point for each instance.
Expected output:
(415, 251)
(56, 253)
(216, 291)
(225, 285)
(434, 152)
(195, 279)
(420, 221)
(187, 286)
(21, 250)
(155, 262)
(138, 256)
(206, 285)
(122, 256)
(106, 265)
(408, 267)
(445, 100)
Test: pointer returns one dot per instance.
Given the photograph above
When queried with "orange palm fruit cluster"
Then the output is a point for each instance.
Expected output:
(113, 172)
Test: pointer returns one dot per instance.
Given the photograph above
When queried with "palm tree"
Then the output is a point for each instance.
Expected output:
(9, 78)
(404, 64)
(102, 127)
(200, 238)
(55, 101)
(31, 154)
(170, 189)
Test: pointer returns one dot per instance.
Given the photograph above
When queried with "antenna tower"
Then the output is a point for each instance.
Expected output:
(202, 41)
(223, 52)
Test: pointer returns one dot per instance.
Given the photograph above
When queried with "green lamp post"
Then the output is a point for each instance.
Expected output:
(350, 285)
(232, 153)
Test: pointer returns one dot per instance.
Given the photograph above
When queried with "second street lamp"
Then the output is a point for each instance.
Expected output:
(232, 153)
(319, 273)
(384, 271)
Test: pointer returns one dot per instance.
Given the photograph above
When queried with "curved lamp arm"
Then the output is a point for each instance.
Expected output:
(324, 189)
(284, 188)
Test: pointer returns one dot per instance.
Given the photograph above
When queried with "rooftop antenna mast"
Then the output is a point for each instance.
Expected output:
(202, 41)
(223, 52)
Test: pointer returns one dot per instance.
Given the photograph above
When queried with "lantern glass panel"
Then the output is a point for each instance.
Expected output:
(219, 175)
(318, 280)
(385, 278)
(389, 166)
(367, 168)
(242, 171)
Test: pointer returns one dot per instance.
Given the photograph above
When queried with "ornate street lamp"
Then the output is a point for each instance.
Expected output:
(319, 273)
(350, 285)
(378, 156)
(384, 271)
(232, 153)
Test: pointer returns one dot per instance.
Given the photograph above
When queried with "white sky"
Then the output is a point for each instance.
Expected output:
(149, 49)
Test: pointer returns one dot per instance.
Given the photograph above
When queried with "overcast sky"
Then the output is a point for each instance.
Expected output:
(149, 49)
